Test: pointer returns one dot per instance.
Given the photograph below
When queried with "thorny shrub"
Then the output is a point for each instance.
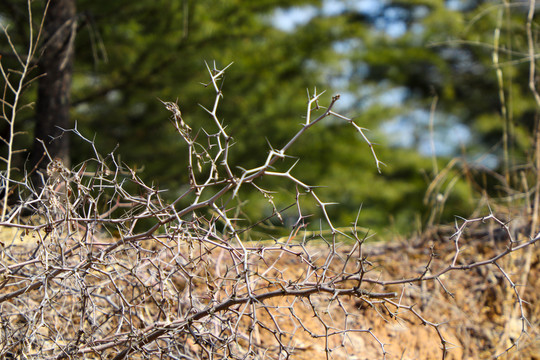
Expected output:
(81, 279)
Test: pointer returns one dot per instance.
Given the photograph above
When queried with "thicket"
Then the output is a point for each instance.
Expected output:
(110, 265)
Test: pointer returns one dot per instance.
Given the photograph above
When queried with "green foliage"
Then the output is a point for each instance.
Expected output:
(129, 54)
(450, 54)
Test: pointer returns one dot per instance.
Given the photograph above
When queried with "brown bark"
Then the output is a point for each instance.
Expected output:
(53, 102)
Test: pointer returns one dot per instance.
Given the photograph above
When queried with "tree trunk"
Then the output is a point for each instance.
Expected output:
(53, 102)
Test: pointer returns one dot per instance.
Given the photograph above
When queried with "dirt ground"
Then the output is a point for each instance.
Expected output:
(478, 313)
(475, 313)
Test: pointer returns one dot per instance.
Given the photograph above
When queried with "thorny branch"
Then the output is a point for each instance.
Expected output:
(193, 283)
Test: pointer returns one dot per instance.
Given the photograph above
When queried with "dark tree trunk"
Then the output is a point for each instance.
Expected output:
(53, 102)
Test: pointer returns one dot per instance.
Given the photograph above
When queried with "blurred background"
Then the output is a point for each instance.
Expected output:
(442, 86)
